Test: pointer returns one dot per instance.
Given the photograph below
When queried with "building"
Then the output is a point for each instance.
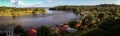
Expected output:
(6, 33)
(6, 30)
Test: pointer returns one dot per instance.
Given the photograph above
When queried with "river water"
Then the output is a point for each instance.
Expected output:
(52, 18)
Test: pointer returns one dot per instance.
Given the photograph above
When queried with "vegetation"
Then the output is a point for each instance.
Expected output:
(12, 11)
(44, 31)
(104, 17)
(72, 24)
(97, 20)
(19, 30)
(111, 26)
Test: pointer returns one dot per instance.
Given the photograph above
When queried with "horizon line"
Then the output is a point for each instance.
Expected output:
(60, 5)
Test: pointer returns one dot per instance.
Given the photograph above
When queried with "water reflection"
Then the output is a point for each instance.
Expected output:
(54, 17)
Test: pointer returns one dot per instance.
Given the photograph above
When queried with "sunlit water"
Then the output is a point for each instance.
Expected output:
(52, 18)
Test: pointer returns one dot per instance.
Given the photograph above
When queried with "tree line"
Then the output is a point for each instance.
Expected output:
(12, 11)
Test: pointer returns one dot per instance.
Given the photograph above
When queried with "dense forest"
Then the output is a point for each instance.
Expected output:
(13, 11)
(97, 20)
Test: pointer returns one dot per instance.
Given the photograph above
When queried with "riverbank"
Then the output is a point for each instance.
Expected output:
(104, 17)
(12, 11)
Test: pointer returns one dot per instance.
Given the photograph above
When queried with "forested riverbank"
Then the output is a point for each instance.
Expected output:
(97, 20)
(13, 11)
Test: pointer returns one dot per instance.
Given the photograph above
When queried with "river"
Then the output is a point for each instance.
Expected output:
(52, 18)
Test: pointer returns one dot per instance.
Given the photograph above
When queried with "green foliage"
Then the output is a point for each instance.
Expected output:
(96, 32)
(111, 26)
(44, 31)
(87, 20)
(11, 11)
(96, 12)
(18, 30)
(105, 16)
(72, 24)
(101, 15)
(98, 8)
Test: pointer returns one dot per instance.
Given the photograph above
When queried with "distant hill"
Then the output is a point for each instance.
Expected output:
(108, 5)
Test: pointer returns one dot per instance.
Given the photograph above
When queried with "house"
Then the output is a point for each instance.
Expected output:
(6, 30)
(6, 33)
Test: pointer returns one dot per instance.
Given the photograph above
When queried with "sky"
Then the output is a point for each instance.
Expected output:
(52, 3)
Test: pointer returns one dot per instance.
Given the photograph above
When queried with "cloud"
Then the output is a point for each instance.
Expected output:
(49, 1)
(16, 2)
(60, 1)
(13, 1)
(118, 2)
(19, 3)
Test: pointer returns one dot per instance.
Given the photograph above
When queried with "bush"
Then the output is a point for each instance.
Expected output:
(72, 24)
(18, 30)
(111, 26)
(96, 32)
(44, 31)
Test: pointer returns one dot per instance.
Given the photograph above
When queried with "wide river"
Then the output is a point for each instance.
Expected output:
(52, 18)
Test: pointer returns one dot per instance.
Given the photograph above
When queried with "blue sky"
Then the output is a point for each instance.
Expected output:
(52, 3)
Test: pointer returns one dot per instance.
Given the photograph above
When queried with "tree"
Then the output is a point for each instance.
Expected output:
(96, 32)
(18, 30)
(44, 31)
(72, 24)
(111, 26)
(101, 15)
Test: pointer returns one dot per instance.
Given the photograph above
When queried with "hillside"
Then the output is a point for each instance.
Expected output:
(97, 20)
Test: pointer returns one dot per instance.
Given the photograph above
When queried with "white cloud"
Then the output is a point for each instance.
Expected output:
(60, 1)
(16, 2)
(49, 1)
(118, 2)
(19, 3)
(40, 2)
(13, 1)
